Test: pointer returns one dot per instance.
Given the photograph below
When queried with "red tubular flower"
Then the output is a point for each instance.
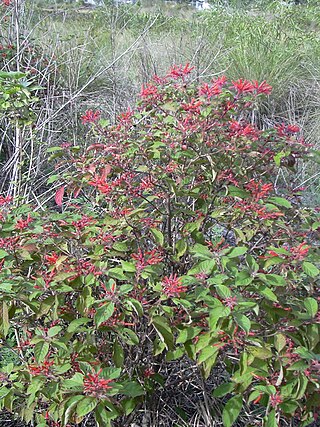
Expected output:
(23, 223)
(275, 399)
(90, 117)
(177, 71)
(243, 86)
(263, 87)
(172, 286)
(5, 200)
(52, 258)
(95, 386)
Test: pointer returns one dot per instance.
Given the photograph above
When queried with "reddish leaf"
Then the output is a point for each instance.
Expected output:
(59, 196)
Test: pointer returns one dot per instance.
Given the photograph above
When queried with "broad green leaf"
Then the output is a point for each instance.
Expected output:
(223, 291)
(260, 352)
(3, 254)
(271, 420)
(223, 389)
(201, 251)
(75, 324)
(243, 321)
(311, 306)
(231, 411)
(86, 405)
(187, 334)
(267, 293)
(206, 267)
(310, 269)
(40, 351)
(181, 247)
(158, 236)
(236, 252)
(279, 342)
(164, 331)
(215, 314)
(280, 201)
(132, 389)
(103, 313)
(207, 353)
(118, 354)
(128, 266)
(54, 331)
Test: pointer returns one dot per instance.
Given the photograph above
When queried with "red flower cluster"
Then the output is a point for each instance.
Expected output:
(5, 200)
(246, 86)
(146, 258)
(23, 223)
(259, 190)
(179, 71)
(172, 286)
(44, 369)
(95, 386)
(90, 117)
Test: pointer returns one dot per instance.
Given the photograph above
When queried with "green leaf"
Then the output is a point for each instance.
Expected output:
(3, 254)
(158, 236)
(243, 321)
(201, 251)
(187, 334)
(132, 389)
(54, 331)
(86, 405)
(267, 293)
(310, 269)
(118, 354)
(75, 324)
(205, 267)
(234, 191)
(260, 352)
(104, 417)
(207, 353)
(40, 351)
(215, 314)
(164, 331)
(181, 247)
(103, 313)
(311, 306)
(279, 342)
(128, 266)
(280, 201)
(223, 291)
(238, 251)
(271, 421)
(231, 411)
(223, 389)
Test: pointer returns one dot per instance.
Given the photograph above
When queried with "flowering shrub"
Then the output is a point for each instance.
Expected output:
(176, 239)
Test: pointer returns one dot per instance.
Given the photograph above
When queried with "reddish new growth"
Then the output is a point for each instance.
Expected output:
(172, 286)
(95, 386)
(6, 2)
(90, 117)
